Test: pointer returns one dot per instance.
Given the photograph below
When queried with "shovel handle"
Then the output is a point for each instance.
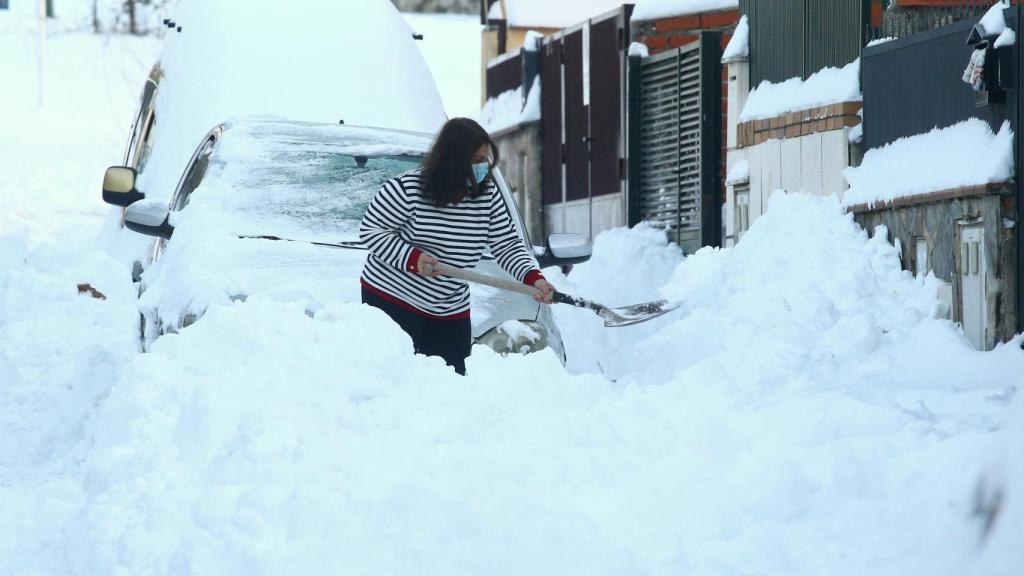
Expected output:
(484, 279)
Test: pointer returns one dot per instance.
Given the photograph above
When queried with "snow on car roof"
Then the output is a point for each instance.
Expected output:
(303, 60)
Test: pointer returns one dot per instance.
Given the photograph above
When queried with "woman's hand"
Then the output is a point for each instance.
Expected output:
(547, 291)
(426, 265)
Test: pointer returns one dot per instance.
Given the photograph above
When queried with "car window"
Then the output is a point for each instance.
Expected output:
(194, 176)
(294, 186)
(147, 143)
(142, 126)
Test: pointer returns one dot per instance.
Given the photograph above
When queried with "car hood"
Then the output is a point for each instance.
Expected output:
(191, 275)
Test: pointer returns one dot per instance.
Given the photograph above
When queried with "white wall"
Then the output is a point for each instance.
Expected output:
(588, 217)
(812, 164)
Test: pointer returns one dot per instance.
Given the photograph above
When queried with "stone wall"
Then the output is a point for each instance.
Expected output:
(449, 6)
(520, 163)
(937, 222)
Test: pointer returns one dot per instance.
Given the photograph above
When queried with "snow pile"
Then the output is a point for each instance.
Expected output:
(60, 351)
(509, 109)
(654, 9)
(824, 87)
(650, 259)
(802, 408)
(1002, 487)
(739, 173)
(965, 154)
(739, 46)
(546, 14)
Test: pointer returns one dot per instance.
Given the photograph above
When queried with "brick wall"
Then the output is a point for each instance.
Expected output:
(668, 33)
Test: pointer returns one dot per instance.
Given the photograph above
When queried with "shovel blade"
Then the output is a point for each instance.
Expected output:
(637, 313)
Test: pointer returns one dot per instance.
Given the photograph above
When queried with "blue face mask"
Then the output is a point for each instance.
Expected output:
(480, 171)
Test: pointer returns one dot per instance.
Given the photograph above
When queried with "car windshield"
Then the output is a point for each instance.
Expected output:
(309, 182)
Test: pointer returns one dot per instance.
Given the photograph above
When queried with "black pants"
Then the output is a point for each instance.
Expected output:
(449, 339)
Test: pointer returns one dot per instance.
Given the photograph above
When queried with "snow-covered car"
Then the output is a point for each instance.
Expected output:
(271, 208)
(231, 59)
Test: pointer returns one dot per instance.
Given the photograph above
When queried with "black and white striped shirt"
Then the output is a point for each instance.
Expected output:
(401, 222)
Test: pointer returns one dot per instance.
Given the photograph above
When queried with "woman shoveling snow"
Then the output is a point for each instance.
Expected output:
(447, 210)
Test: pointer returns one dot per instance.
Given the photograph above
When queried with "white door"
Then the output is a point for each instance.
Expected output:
(972, 285)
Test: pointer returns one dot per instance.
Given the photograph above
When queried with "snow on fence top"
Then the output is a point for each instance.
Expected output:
(824, 87)
(965, 154)
(654, 9)
(739, 45)
(507, 109)
(548, 14)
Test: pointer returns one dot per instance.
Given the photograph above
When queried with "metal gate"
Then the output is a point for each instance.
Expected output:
(582, 125)
(678, 133)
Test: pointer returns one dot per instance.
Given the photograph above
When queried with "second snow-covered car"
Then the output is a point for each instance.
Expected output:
(260, 203)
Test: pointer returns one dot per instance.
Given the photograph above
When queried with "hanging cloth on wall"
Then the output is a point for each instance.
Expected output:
(974, 74)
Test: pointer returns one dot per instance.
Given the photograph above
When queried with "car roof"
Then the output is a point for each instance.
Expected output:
(303, 59)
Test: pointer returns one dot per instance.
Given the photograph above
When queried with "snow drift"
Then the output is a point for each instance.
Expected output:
(804, 414)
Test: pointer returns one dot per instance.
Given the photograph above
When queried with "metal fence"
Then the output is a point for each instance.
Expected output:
(914, 84)
(583, 140)
(906, 17)
(505, 73)
(790, 38)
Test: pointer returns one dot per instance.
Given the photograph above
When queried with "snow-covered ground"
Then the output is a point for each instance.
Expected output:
(804, 412)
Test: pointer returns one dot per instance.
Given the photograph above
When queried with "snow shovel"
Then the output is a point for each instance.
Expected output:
(613, 317)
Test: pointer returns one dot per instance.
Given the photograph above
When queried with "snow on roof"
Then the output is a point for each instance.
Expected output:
(965, 154)
(654, 9)
(508, 109)
(739, 173)
(826, 86)
(739, 45)
(548, 13)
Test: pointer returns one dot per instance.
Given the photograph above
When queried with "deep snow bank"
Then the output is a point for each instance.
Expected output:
(60, 351)
(805, 414)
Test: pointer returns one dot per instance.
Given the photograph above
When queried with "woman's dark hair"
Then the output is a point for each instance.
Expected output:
(448, 169)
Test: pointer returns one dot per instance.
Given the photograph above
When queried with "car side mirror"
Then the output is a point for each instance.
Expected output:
(150, 217)
(119, 186)
(565, 249)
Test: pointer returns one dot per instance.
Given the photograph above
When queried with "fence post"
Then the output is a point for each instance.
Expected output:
(711, 138)
(633, 98)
